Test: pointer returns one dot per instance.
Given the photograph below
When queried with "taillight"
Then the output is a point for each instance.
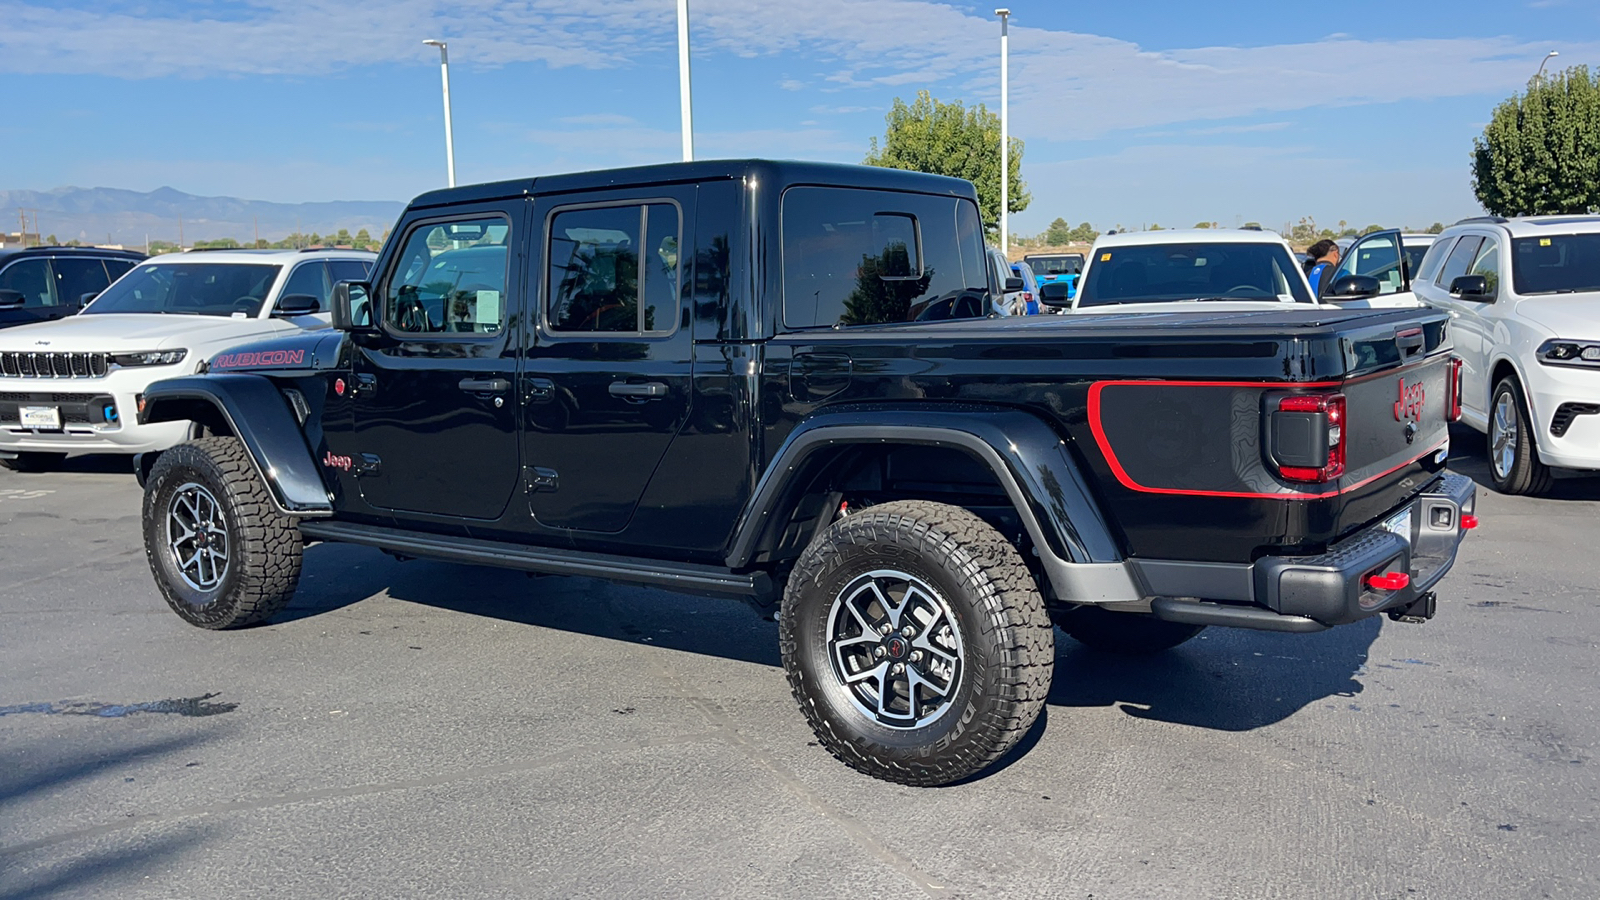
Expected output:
(1328, 409)
(1455, 388)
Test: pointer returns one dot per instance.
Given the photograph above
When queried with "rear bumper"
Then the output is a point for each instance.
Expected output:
(1309, 593)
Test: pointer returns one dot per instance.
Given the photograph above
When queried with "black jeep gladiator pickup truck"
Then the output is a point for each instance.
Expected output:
(782, 382)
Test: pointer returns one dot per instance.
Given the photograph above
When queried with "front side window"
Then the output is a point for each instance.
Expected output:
(308, 278)
(614, 269)
(1461, 257)
(76, 276)
(1558, 264)
(1161, 273)
(862, 257)
(31, 278)
(190, 289)
(1376, 257)
(1487, 264)
(450, 279)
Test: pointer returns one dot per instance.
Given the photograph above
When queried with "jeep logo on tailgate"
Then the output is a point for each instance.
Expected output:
(1409, 406)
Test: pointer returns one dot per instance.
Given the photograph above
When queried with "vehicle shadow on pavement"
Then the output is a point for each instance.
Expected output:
(341, 575)
(1469, 456)
(1226, 679)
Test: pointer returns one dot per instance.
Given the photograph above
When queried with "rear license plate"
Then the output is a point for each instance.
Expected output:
(40, 417)
(1400, 524)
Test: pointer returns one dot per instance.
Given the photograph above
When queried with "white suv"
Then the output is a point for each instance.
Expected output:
(1524, 300)
(72, 385)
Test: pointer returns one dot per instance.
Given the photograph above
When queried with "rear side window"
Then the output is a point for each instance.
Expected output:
(117, 268)
(861, 257)
(308, 278)
(349, 270)
(1461, 256)
(614, 269)
(76, 276)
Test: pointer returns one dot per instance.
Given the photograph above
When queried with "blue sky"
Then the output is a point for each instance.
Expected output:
(1133, 112)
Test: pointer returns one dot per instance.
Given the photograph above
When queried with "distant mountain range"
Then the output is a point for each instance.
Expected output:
(92, 215)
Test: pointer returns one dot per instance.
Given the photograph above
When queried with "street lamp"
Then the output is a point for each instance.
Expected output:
(1547, 57)
(1005, 127)
(683, 81)
(449, 134)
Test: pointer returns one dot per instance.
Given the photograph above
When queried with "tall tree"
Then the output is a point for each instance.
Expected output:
(1058, 233)
(952, 139)
(1540, 152)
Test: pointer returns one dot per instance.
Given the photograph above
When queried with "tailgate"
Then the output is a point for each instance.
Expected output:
(1397, 424)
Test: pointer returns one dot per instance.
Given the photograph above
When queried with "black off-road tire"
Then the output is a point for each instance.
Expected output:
(263, 545)
(1525, 474)
(1127, 634)
(32, 462)
(1008, 646)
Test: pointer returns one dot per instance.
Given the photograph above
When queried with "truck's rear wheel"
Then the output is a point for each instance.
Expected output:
(916, 642)
(1130, 634)
(222, 554)
(1514, 464)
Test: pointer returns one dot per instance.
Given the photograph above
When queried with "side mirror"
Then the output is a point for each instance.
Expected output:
(1471, 287)
(1354, 287)
(10, 299)
(297, 305)
(1015, 284)
(84, 299)
(1056, 294)
(352, 307)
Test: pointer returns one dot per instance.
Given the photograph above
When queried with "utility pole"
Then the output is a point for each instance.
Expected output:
(180, 234)
(22, 227)
(1005, 126)
(257, 221)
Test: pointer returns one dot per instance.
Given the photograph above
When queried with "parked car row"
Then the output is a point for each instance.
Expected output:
(74, 383)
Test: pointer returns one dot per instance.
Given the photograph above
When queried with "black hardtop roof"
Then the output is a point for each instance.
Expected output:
(779, 173)
(70, 251)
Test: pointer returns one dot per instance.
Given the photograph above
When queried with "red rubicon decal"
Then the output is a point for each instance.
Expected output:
(334, 461)
(1409, 406)
(338, 386)
(264, 358)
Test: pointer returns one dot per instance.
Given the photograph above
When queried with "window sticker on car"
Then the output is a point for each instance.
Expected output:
(1105, 257)
(1544, 242)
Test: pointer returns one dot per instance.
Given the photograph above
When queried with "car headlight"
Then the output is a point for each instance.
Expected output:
(150, 358)
(1580, 354)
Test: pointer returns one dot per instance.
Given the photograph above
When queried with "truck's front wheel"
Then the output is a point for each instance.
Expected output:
(222, 554)
(916, 642)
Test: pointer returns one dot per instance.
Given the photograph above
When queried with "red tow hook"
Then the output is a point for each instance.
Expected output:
(1468, 521)
(1388, 581)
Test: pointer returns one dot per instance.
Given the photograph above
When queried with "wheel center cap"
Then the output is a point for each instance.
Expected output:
(896, 647)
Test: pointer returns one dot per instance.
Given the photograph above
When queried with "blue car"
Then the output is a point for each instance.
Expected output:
(1051, 267)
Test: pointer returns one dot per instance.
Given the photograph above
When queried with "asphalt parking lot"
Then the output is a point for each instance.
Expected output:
(429, 730)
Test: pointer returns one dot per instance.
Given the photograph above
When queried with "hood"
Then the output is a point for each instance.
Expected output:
(304, 351)
(1563, 315)
(1190, 306)
(114, 333)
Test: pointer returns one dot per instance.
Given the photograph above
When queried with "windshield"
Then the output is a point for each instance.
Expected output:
(189, 289)
(1159, 273)
(1558, 264)
(1069, 264)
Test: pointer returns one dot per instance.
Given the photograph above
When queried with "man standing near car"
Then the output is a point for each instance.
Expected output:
(1324, 255)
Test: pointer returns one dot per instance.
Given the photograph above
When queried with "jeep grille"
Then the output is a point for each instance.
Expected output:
(28, 364)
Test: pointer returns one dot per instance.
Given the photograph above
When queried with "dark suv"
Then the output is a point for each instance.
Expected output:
(44, 283)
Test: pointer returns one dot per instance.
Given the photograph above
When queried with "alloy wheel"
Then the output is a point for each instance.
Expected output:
(896, 649)
(197, 537)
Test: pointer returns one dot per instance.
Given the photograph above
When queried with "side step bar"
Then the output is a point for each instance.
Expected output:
(687, 578)
(1200, 612)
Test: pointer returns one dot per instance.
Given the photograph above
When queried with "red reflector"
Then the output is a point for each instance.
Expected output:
(1303, 403)
(1388, 581)
(1468, 522)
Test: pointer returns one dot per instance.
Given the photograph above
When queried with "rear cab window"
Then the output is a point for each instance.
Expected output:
(1159, 273)
(868, 257)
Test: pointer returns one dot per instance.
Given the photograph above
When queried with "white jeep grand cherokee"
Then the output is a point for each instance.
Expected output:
(1524, 299)
(72, 386)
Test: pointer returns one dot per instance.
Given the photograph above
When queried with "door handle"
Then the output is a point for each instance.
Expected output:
(650, 390)
(484, 385)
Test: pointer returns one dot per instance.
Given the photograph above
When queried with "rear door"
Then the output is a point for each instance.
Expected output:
(607, 378)
(434, 412)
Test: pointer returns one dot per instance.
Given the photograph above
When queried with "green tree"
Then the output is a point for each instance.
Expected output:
(953, 139)
(1084, 233)
(1202, 224)
(1435, 228)
(1253, 226)
(1540, 152)
(363, 238)
(1058, 233)
(1371, 228)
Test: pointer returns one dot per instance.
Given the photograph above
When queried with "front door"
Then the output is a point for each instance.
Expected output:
(435, 417)
(607, 380)
(1380, 256)
(31, 277)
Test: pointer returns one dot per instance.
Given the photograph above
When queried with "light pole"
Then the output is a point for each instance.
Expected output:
(449, 133)
(683, 81)
(1547, 57)
(1005, 126)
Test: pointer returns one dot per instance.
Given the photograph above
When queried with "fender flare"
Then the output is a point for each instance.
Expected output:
(257, 414)
(1029, 459)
